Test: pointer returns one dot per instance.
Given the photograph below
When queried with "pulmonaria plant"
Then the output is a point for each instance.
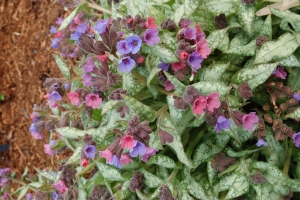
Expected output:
(192, 100)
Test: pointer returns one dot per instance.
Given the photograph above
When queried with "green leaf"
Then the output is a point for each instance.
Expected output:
(230, 152)
(216, 37)
(207, 88)
(161, 160)
(125, 192)
(213, 73)
(62, 66)
(143, 111)
(36, 184)
(76, 156)
(166, 54)
(277, 50)
(246, 14)
(245, 50)
(24, 173)
(185, 10)
(111, 105)
(295, 114)
(267, 28)
(109, 173)
(180, 87)
(255, 76)
(152, 81)
(45, 174)
(213, 145)
(274, 151)
(265, 192)
(23, 192)
(287, 15)
(67, 21)
(135, 7)
(291, 61)
(239, 186)
(239, 134)
(212, 174)
(225, 6)
(151, 180)
(132, 85)
(294, 79)
(73, 133)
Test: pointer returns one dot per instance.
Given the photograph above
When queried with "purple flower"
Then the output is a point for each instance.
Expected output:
(151, 36)
(249, 120)
(100, 26)
(149, 152)
(115, 162)
(89, 66)
(53, 30)
(122, 47)
(54, 43)
(90, 151)
(261, 142)
(190, 33)
(296, 138)
(138, 149)
(184, 23)
(296, 96)
(75, 36)
(55, 195)
(28, 196)
(82, 28)
(87, 80)
(126, 64)
(3, 181)
(54, 96)
(164, 66)
(134, 43)
(280, 73)
(59, 21)
(195, 60)
(222, 123)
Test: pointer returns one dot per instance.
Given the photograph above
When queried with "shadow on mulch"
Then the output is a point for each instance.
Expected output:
(25, 62)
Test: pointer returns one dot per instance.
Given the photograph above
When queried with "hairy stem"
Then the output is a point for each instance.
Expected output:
(288, 157)
(98, 7)
(195, 141)
(88, 168)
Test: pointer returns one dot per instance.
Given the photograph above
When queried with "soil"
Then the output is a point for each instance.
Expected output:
(25, 62)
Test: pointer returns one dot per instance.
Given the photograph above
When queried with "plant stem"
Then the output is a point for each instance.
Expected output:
(195, 141)
(288, 157)
(138, 76)
(160, 111)
(143, 96)
(174, 172)
(88, 168)
(97, 7)
(161, 90)
(21, 183)
(223, 195)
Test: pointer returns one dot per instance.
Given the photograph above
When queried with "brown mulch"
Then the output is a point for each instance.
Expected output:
(25, 62)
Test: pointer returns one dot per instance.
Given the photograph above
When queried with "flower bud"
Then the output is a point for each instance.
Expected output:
(277, 125)
(165, 193)
(237, 117)
(179, 103)
(268, 118)
(283, 107)
(258, 178)
(288, 91)
(260, 40)
(245, 91)
(280, 94)
(249, 1)
(137, 182)
(279, 85)
(273, 97)
(64, 121)
(220, 162)
(220, 21)
(266, 107)
(292, 102)
(190, 94)
(224, 105)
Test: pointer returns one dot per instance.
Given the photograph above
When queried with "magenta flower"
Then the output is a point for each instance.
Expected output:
(84, 162)
(190, 33)
(195, 60)
(149, 152)
(89, 66)
(87, 80)
(126, 64)
(60, 186)
(296, 138)
(280, 73)
(261, 142)
(199, 105)
(5, 196)
(74, 97)
(90, 151)
(203, 49)
(127, 142)
(213, 101)
(115, 162)
(249, 120)
(138, 149)
(107, 154)
(169, 86)
(222, 123)
(178, 65)
(93, 100)
(54, 96)
(184, 23)
(100, 26)
(150, 23)
(134, 43)
(164, 66)
(123, 48)
(48, 150)
(125, 159)
(151, 36)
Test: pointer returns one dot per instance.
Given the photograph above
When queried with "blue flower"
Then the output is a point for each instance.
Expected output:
(90, 151)
(190, 33)
(100, 26)
(134, 43)
(123, 48)
(261, 142)
(115, 162)
(126, 64)
(55, 195)
(54, 43)
(75, 36)
(151, 36)
(138, 149)
(53, 30)
(82, 28)
(164, 66)
(55, 96)
(195, 60)
(222, 123)
(296, 96)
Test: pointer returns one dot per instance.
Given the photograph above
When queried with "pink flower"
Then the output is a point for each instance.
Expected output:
(60, 186)
(106, 154)
(125, 159)
(93, 100)
(199, 105)
(184, 55)
(203, 49)
(280, 73)
(127, 142)
(178, 65)
(48, 150)
(249, 120)
(149, 152)
(84, 162)
(150, 23)
(213, 101)
(102, 58)
(74, 97)
(169, 86)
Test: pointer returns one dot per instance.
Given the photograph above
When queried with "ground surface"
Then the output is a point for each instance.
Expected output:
(25, 62)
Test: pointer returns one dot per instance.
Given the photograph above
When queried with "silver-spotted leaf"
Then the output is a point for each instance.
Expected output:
(225, 6)
(166, 54)
(214, 72)
(245, 50)
(151, 180)
(289, 16)
(185, 10)
(152, 81)
(207, 88)
(246, 14)
(67, 20)
(75, 156)
(180, 87)
(294, 79)
(132, 85)
(162, 160)
(62, 66)
(267, 28)
(291, 61)
(109, 172)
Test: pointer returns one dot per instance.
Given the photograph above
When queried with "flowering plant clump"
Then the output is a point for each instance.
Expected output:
(171, 100)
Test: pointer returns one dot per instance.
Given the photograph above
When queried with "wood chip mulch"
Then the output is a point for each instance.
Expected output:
(25, 62)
